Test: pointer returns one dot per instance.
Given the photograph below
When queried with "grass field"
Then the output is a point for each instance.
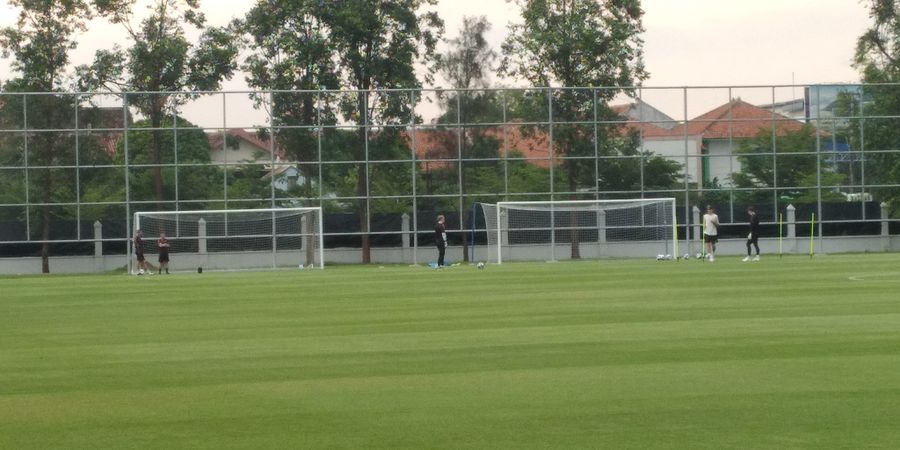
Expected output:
(783, 353)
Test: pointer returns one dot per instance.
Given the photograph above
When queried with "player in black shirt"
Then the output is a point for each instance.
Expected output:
(139, 253)
(440, 238)
(753, 237)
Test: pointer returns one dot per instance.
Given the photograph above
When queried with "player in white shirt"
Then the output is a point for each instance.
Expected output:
(710, 232)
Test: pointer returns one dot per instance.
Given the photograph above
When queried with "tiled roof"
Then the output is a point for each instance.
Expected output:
(432, 143)
(215, 140)
(737, 119)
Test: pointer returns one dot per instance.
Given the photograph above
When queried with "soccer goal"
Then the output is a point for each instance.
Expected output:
(237, 239)
(557, 230)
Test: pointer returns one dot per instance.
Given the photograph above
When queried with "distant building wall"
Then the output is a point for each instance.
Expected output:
(674, 149)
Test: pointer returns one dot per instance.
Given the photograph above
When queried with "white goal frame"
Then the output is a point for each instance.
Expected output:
(567, 205)
(279, 259)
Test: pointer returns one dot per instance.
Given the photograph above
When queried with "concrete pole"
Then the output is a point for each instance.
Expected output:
(98, 238)
(885, 230)
(201, 236)
(601, 226)
(404, 236)
(98, 246)
(791, 221)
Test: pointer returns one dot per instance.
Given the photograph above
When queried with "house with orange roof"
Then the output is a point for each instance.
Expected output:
(237, 145)
(707, 144)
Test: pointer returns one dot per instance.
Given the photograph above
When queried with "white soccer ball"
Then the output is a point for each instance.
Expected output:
(300, 266)
(660, 257)
(699, 255)
(480, 265)
(687, 256)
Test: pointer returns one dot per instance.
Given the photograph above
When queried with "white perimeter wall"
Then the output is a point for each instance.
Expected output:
(424, 255)
(722, 162)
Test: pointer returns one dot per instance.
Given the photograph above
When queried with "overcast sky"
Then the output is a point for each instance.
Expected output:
(687, 43)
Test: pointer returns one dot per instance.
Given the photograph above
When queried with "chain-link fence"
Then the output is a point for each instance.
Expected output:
(384, 164)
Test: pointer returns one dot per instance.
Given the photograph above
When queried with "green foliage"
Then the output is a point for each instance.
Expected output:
(468, 62)
(195, 182)
(580, 43)
(577, 43)
(797, 164)
(378, 44)
(289, 51)
(634, 170)
(162, 66)
(878, 58)
(160, 38)
(39, 43)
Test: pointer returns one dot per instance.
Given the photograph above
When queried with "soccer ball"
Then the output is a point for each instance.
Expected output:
(699, 255)
(300, 266)
(687, 256)
(660, 257)
(480, 265)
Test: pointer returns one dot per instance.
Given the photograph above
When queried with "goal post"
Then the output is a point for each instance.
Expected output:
(233, 239)
(580, 229)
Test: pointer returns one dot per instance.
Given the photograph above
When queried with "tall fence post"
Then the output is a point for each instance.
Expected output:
(695, 217)
(885, 229)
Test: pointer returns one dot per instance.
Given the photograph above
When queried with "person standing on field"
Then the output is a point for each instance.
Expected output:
(163, 244)
(710, 232)
(753, 237)
(440, 238)
(139, 253)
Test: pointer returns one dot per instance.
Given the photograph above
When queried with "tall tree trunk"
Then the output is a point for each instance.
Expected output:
(156, 120)
(45, 236)
(363, 210)
(46, 187)
(573, 216)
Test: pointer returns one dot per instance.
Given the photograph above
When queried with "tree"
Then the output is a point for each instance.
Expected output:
(363, 45)
(160, 61)
(577, 43)
(290, 51)
(797, 165)
(878, 59)
(40, 42)
(378, 44)
(197, 180)
(467, 64)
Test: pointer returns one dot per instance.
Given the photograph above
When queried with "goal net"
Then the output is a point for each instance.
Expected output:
(557, 230)
(243, 239)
